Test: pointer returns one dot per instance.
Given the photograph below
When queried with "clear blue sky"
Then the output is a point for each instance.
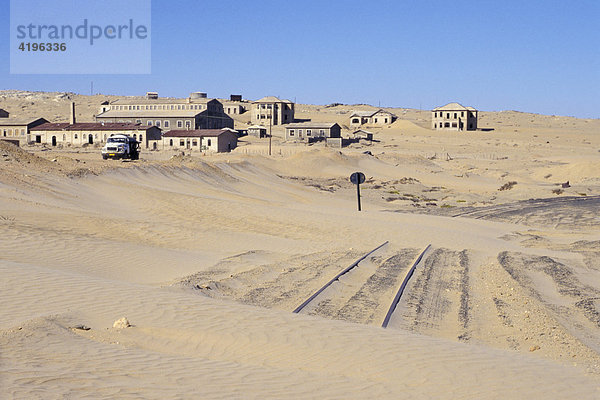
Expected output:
(532, 56)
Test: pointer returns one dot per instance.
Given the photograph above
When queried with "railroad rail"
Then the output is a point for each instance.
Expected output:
(335, 278)
(400, 292)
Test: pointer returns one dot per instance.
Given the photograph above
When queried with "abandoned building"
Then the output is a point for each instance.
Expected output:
(271, 110)
(373, 118)
(78, 134)
(19, 128)
(309, 131)
(257, 130)
(206, 140)
(454, 117)
(194, 112)
(361, 134)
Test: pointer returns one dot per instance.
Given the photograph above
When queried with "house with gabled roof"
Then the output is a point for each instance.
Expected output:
(13, 128)
(454, 117)
(378, 117)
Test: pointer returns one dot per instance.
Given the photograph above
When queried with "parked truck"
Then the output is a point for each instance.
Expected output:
(121, 146)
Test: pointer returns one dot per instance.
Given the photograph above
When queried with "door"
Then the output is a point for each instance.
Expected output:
(53, 140)
(91, 139)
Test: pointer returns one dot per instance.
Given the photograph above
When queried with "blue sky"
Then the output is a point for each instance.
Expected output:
(532, 56)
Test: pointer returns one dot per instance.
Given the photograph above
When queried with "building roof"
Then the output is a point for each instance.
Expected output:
(161, 100)
(368, 113)
(197, 132)
(149, 113)
(90, 126)
(10, 121)
(257, 127)
(454, 107)
(311, 125)
(272, 99)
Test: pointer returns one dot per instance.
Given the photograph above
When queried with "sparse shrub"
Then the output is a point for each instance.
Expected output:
(507, 186)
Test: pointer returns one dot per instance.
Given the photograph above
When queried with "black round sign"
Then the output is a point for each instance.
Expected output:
(357, 178)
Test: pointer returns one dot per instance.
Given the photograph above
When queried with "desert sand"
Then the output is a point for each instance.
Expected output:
(207, 256)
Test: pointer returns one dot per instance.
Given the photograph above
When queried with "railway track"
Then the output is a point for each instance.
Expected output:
(359, 292)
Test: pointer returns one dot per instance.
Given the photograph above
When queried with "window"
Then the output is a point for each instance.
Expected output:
(135, 136)
(64, 138)
(194, 142)
(166, 123)
(138, 121)
(355, 121)
(182, 142)
(209, 142)
(447, 125)
(447, 115)
(75, 136)
(462, 113)
(454, 124)
(157, 123)
(149, 123)
(434, 126)
(375, 120)
(308, 132)
(10, 132)
(179, 124)
(141, 137)
(4, 132)
(291, 132)
(435, 115)
(322, 132)
(170, 142)
(105, 137)
(188, 124)
(386, 120)
(455, 116)
(23, 132)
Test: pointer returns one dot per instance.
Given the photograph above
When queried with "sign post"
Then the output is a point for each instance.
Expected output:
(357, 178)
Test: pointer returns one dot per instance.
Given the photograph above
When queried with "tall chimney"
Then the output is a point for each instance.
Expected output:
(72, 120)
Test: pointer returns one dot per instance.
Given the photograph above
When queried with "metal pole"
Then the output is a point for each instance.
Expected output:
(270, 134)
(358, 194)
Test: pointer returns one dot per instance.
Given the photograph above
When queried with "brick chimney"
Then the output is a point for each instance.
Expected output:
(72, 120)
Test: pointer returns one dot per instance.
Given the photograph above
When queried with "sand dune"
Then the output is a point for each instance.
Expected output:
(208, 256)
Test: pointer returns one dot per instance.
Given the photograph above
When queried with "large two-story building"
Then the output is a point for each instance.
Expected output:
(272, 111)
(454, 117)
(194, 112)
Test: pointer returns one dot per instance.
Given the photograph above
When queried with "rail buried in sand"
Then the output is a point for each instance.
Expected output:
(354, 264)
(396, 300)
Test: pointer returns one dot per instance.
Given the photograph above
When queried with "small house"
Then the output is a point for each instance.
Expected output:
(310, 131)
(258, 131)
(206, 140)
(373, 118)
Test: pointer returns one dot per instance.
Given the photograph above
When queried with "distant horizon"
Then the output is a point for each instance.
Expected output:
(305, 103)
(539, 58)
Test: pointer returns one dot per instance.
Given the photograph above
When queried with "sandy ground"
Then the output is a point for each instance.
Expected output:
(207, 256)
